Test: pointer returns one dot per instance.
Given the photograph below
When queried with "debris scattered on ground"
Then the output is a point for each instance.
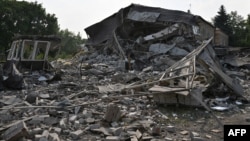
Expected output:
(116, 89)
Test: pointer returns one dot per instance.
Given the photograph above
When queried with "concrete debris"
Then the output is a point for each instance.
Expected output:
(76, 134)
(113, 113)
(184, 132)
(53, 137)
(140, 72)
(156, 131)
(15, 132)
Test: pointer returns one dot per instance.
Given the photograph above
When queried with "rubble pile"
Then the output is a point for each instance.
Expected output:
(236, 65)
(74, 109)
(99, 104)
(175, 52)
(114, 90)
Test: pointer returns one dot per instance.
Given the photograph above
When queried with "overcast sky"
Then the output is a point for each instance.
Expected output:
(76, 15)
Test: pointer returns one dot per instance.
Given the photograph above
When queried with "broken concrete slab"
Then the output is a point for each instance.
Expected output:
(16, 132)
(184, 132)
(76, 134)
(160, 48)
(10, 100)
(168, 31)
(237, 61)
(178, 52)
(53, 137)
(117, 131)
(112, 138)
(111, 88)
(105, 131)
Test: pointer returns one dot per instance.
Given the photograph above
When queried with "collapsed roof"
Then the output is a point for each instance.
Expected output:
(102, 31)
(169, 42)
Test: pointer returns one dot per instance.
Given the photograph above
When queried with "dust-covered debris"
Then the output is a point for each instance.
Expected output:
(15, 132)
(130, 84)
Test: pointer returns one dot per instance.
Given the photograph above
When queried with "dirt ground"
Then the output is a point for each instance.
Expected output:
(202, 122)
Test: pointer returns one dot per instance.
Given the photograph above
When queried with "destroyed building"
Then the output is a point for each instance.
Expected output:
(28, 53)
(32, 52)
(134, 60)
(175, 44)
(135, 20)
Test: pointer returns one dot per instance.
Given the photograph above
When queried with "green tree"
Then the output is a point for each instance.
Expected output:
(238, 26)
(222, 21)
(70, 43)
(247, 36)
(26, 18)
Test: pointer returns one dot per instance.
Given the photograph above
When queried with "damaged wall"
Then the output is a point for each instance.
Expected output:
(166, 41)
(206, 30)
(221, 39)
(136, 15)
(135, 20)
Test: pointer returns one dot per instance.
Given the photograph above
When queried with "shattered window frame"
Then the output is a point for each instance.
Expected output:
(19, 49)
(33, 51)
(27, 50)
(12, 50)
(32, 47)
(41, 51)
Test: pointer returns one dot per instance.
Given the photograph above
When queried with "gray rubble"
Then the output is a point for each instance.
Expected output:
(134, 88)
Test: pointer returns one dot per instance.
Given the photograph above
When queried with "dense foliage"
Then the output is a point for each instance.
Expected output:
(222, 20)
(235, 26)
(30, 18)
(27, 18)
(70, 43)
